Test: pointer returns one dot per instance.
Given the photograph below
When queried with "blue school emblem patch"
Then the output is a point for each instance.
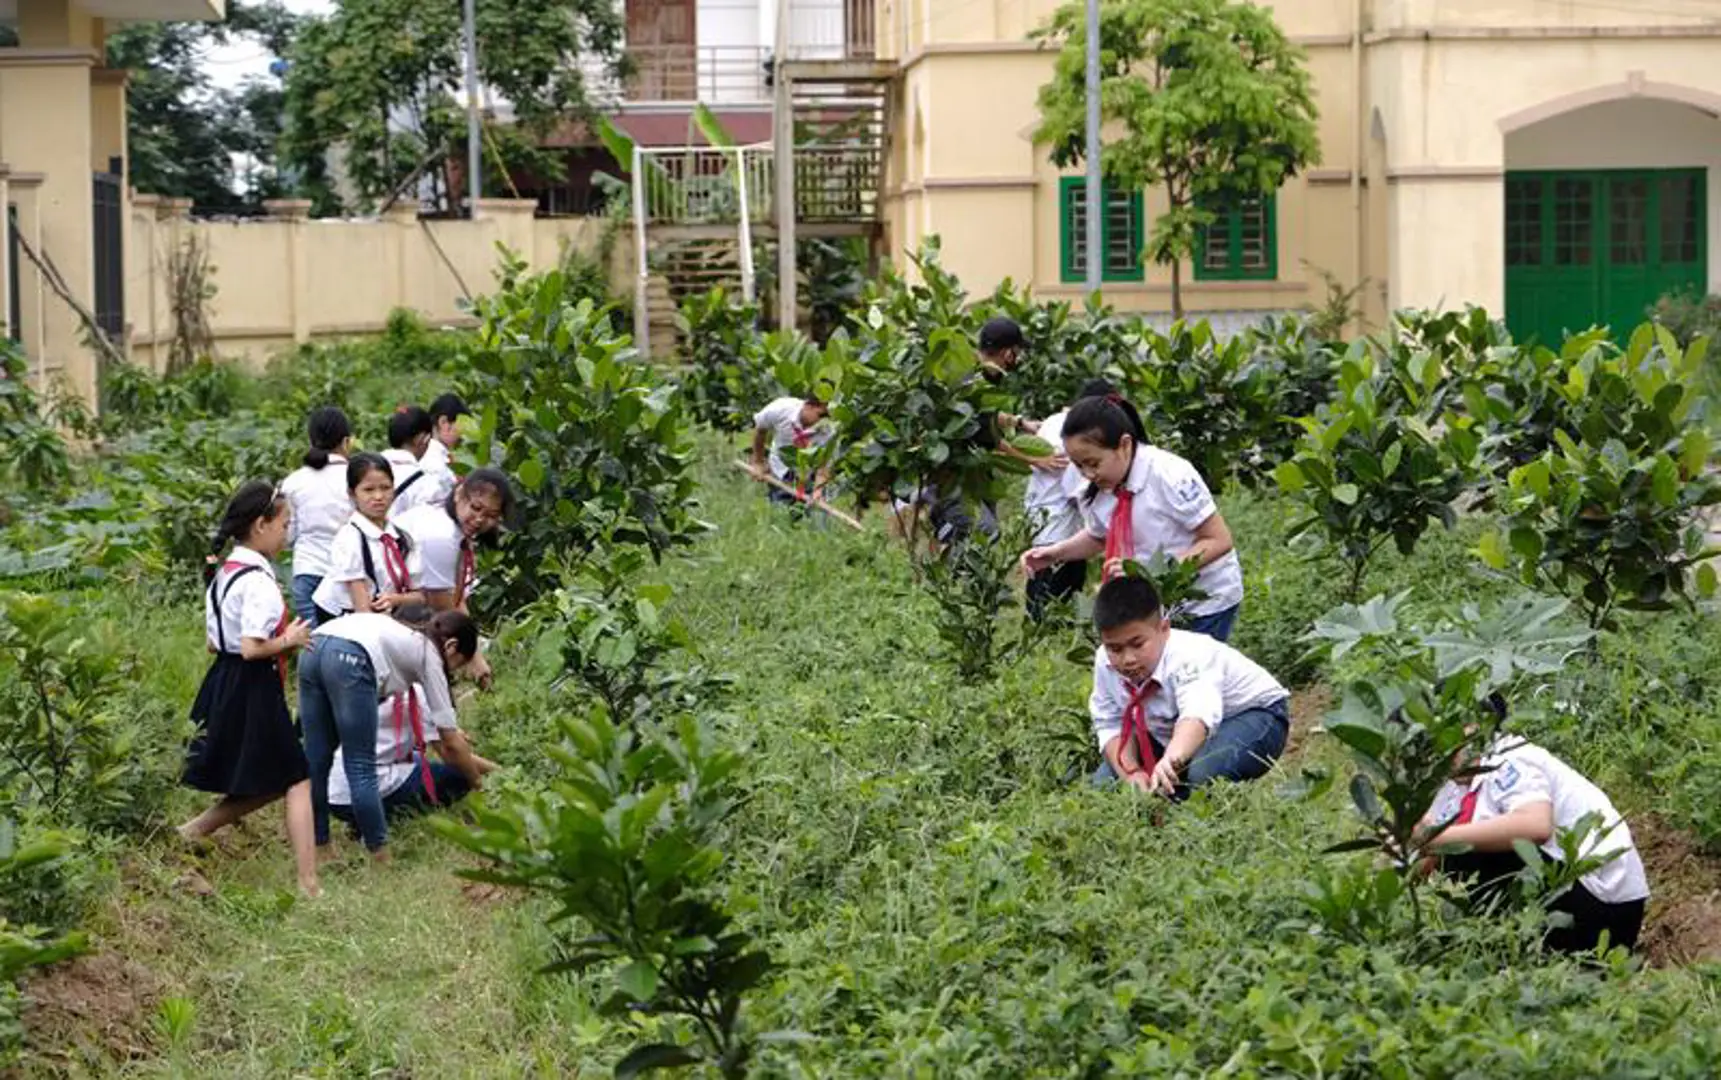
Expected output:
(1505, 778)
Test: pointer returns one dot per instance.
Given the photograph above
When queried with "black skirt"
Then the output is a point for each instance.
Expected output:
(247, 742)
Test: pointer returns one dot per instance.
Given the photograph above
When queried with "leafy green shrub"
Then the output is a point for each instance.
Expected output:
(1371, 466)
(834, 278)
(727, 379)
(1612, 516)
(973, 588)
(1065, 349)
(595, 440)
(625, 842)
(25, 947)
(32, 454)
(1688, 315)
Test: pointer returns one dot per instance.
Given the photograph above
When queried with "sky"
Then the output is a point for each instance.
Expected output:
(228, 65)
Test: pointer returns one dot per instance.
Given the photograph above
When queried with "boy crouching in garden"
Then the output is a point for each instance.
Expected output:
(1172, 709)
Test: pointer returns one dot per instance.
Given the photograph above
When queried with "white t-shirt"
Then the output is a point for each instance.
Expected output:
(439, 465)
(347, 564)
(395, 760)
(1199, 679)
(400, 656)
(426, 489)
(321, 505)
(1170, 501)
(1522, 773)
(783, 419)
(1051, 495)
(437, 542)
(251, 608)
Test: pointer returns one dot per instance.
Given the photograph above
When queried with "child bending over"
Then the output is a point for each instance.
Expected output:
(1172, 709)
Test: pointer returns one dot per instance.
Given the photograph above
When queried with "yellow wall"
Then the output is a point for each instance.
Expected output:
(290, 279)
(1423, 106)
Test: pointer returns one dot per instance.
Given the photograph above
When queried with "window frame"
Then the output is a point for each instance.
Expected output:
(1072, 274)
(1234, 270)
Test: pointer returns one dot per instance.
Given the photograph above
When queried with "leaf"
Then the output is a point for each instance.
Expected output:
(532, 474)
(648, 1057)
(1367, 801)
(1345, 493)
(1492, 552)
(1289, 477)
(1033, 446)
(638, 981)
(1706, 581)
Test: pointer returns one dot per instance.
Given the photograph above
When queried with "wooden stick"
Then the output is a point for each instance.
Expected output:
(810, 501)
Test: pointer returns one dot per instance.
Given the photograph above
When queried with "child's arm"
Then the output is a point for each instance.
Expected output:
(759, 449)
(1212, 541)
(1533, 821)
(296, 636)
(1186, 738)
(360, 594)
(391, 600)
(1078, 548)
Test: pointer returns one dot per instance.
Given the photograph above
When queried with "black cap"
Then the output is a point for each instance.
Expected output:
(1001, 333)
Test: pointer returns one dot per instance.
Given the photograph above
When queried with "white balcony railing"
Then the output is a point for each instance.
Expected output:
(832, 30)
(685, 74)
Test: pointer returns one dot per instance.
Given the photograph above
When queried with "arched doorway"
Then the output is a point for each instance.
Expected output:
(1607, 209)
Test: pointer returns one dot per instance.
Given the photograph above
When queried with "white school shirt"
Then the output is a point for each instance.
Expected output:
(321, 505)
(783, 419)
(1522, 773)
(426, 489)
(347, 564)
(439, 464)
(1199, 679)
(1170, 502)
(436, 545)
(400, 656)
(252, 608)
(1051, 496)
(395, 762)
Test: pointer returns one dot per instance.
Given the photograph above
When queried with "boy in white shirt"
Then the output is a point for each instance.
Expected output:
(788, 423)
(410, 432)
(1052, 495)
(1174, 710)
(1523, 792)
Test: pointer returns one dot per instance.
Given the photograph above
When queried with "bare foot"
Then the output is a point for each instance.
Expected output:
(310, 889)
(326, 854)
(381, 857)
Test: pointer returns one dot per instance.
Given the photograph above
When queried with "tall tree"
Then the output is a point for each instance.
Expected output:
(1207, 99)
(373, 87)
(183, 131)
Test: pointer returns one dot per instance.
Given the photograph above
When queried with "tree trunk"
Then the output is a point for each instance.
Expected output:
(1177, 288)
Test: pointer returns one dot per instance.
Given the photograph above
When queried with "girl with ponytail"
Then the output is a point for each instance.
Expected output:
(321, 506)
(246, 748)
(1142, 501)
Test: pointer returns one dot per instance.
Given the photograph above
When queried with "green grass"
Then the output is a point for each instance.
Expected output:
(942, 901)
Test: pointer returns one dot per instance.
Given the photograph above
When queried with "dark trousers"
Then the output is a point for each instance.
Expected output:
(1054, 586)
(412, 798)
(1489, 873)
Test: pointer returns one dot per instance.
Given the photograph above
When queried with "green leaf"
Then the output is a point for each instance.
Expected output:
(1033, 446)
(1491, 550)
(1664, 481)
(532, 474)
(1389, 463)
(638, 981)
(1706, 581)
(1289, 477)
(1346, 493)
(652, 1056)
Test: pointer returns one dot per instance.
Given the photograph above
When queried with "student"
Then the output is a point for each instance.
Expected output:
(368, 559)
(953, 521)
(409, 435)
(1141, 501)
(444, 535)
(1052, 506)
(1174, 710)
(445, 414)
(1523, 792)
(788, 422)
(246, 749)
(355, 662)
(321, 506)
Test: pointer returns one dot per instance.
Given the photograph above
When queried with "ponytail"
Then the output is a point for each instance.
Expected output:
(257, 500)
(328, 429)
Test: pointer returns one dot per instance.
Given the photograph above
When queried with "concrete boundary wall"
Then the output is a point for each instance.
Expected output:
(289, 279)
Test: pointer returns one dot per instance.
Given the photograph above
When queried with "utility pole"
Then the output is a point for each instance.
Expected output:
(783, 153)
(1096, 190)
(474, 133)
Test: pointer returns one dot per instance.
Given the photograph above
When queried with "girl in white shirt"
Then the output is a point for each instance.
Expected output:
(1144, 501)
(354, 663)
(368, 560)
(321, 506)
(1523, 792)
(444, 536)
(246, 749)
(409, 437)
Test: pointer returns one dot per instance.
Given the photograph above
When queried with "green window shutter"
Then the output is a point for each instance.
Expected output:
(1242, 244)
(1121, 233)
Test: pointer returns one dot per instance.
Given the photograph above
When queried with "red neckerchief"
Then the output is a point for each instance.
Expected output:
(1120, 534)
(1135, 724)
(1467, 808)
(801, 437)
(280, 627)
(394, 564)
(406, 710)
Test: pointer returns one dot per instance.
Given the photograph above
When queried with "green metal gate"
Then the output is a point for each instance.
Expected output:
(1600, 247)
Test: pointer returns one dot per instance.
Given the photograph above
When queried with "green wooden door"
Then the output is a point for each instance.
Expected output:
(1600, 247)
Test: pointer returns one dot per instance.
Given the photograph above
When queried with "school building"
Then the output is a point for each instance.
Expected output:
(1552, 159)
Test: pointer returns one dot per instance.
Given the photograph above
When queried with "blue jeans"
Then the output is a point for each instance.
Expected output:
(337, 707)
(303, 606)
(412, 798)
(1242, 747)
(1216, 626)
